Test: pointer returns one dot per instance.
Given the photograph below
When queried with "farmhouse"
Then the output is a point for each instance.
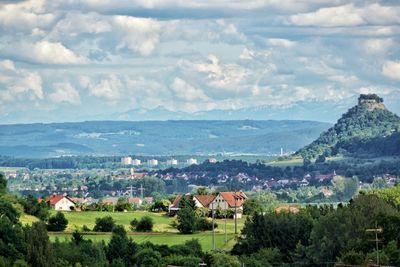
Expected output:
(230, 200)
(61, 203)
(224, 201)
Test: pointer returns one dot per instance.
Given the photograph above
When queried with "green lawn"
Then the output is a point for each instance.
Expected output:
(290, 162)
(205, 238)
(162, 233)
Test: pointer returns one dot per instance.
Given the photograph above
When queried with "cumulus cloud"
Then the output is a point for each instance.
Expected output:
(137, 34)
(348, 15)
(45, 52)
(187, 92)
(108, 87)
(391, 69)
(65, 93)
(18, 83)
(280, 42)
(25, 15)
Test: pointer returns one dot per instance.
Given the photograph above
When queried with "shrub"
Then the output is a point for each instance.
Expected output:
(204, 224)
(57, 223)
(133, 224)
(145, 224)
(85, 228)
(105, 224)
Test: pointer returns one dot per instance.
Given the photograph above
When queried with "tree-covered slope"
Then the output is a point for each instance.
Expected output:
(368, 129)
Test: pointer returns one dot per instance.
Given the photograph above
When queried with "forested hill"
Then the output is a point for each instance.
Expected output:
(110, 138)
(367, 130)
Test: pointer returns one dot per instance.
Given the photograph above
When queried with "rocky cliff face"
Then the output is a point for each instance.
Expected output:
(371, 102)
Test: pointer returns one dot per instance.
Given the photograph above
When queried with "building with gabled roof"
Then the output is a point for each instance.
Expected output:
(60, 202)
(231, 201)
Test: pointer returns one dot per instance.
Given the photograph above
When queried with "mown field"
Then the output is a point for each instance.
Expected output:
(163, 232)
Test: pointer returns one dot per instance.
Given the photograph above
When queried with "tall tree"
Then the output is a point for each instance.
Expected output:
(38, 246)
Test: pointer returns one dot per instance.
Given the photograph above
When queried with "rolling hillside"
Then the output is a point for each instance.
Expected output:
(156, 137)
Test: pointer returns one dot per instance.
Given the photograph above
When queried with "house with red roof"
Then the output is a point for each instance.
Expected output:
(229, 200)
(201, 201)
(61, 203)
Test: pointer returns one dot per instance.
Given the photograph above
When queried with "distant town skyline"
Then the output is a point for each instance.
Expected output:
(147, 59)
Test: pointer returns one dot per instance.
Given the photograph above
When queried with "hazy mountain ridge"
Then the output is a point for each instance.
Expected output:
(367, 129)
(156, 137)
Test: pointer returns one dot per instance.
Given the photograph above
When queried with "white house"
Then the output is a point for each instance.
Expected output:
(126, 161)
(229, 200)
(152, 162)
(61, 203)
(192, 161)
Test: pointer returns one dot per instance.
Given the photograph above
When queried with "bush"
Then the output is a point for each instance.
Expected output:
(145, 224)
(85, 228)
(105, 224)
(57, 223)
(204, 224)
(133, 224)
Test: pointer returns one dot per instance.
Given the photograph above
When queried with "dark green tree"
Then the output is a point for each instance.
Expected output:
(187, 220)
(57, 223)
(105, 224)
(39, 251)
(145, 224)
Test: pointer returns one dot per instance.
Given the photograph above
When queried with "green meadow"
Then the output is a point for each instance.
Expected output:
(163, 232)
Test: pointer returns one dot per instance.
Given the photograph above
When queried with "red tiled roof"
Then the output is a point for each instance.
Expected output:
(175, 204)
(54, 199)
(205, 200)
(231, 196)
(134, 200)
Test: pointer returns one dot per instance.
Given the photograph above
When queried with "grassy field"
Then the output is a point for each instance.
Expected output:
(163, 232)
(283, 163)
(205, 238)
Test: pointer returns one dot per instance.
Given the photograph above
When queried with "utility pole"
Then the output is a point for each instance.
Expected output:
(213, 232)
(235, 213)
(226, 239)
(141, 191)
(376, 230)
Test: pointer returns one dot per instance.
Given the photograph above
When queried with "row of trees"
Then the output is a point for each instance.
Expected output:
(324, 234)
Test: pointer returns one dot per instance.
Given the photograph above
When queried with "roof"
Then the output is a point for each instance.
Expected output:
(54, 199)
(234, 198)
(175, 204)
(205, 200)
(134, 200)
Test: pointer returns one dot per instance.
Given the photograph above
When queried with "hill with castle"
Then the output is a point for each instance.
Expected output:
(366, 130)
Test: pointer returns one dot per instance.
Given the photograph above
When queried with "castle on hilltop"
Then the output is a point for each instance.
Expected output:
(371, 101)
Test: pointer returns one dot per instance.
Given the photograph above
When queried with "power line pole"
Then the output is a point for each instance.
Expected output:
(235, 213)
(141, 191)
(213, 232)
(376, 230)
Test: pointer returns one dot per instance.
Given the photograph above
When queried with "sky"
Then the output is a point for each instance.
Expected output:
(77, 60)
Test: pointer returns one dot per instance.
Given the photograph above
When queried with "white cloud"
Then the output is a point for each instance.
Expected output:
(25, 15)
(18, 83)
(391, 69)
(65, 93)
(108, 87)
(137, 34)
(377, 46)
(280, 42)
(349, 15)
(247, 54)
(346, 15)
(187, 92)
(45, 52)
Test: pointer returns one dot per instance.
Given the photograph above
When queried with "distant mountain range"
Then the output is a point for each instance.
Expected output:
(157, 137)
(366, 130)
